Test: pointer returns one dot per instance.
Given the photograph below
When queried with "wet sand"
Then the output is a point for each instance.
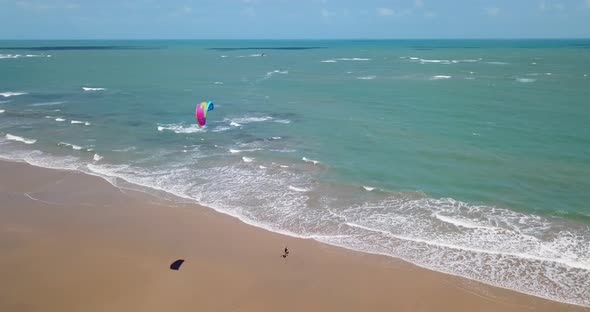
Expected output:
(74, 242)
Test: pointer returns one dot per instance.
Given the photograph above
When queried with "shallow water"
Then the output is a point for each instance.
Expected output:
(467, 157)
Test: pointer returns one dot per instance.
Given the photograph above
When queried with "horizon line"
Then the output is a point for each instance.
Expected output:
(301, 39)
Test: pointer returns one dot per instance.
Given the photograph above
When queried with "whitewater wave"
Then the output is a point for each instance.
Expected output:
(276, 71)
(247, 159)
(368, 188)
(2, 111)
(346, 59)
(47, 103)
(72, 146)
(526, 80)
(236, 151)
(16, 138)
(253, 55)
(97, 157)
(426, 61)
(238, 121)
(93, 89)
(15, 56)
(438, 77)
(366, 77)
(524, 252)
(461, 222)
(127, 149)
(440, 61)
(353, 59)
(181, 128)
(9, 94)
(307, 160)
(221, 129)
(298, 189)
(86, 123)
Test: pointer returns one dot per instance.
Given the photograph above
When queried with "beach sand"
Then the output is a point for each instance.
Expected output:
(74, 242)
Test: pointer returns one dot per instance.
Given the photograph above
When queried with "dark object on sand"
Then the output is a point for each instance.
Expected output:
(286, 251)
(176, 264)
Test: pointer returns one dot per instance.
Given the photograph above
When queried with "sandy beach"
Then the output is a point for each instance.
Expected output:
(74, 242)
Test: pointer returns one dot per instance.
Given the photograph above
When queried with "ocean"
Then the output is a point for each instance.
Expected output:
(470, 157)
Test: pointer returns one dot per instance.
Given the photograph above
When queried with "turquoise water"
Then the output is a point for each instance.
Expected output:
(468, 157)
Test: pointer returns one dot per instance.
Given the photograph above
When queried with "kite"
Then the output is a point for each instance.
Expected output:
(201, 112)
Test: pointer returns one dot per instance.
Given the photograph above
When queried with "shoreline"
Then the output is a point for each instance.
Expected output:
(130, 215)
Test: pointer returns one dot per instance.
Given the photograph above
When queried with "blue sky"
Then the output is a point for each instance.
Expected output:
(314, 19)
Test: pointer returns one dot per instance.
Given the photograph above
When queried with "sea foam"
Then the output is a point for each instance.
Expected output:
(15, 56)
(181, 128)
(16, 138)
(307, 160)
(86, 123)
(93, 89)
(438, 77)
(298, 189)
(47, 103)
(9, 94)
(72, 146)
(353, 59)
(526, 80)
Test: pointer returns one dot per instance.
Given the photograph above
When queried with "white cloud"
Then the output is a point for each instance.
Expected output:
(39, 6)
(249, 12)
(588, 4)
(385, 12)
(187, 10)
(430, 14)
(36, 6)
(327, 13)
(549, 5)
(543, 5)
(493, 11)
(417, 8)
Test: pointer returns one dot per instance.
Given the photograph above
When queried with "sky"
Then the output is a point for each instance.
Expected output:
(293, 19)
